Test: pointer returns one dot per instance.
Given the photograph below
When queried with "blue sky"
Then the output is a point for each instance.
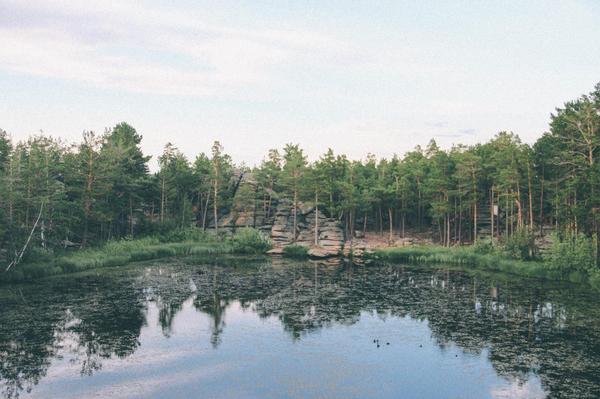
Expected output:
(360, 77)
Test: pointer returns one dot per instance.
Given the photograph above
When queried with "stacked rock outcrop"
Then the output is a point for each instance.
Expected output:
(278, 222)
(309, 222)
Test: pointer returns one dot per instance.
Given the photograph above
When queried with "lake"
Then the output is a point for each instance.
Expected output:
(261, 328)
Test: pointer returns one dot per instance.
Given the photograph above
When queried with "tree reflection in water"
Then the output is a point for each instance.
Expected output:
(548, 329)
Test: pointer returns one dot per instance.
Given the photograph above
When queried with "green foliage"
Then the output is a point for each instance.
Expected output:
(465, 256)
(484, 247)
(186, 234)
(572, 252)
(250, 241)
(295, 251)
(118, 253)
(520, 245)
(594, 278)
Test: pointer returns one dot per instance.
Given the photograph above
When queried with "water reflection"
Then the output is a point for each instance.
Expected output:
(526, 328)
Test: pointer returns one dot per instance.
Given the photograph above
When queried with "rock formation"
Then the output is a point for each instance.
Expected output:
(248, 211)
(330, 240)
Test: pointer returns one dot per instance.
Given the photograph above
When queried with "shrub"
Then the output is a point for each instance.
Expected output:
(295, 251)
(250, 241)
(594, 279)
(484, 247)
(188, 234)
(37, 254)
(572, 252)
(520, 245)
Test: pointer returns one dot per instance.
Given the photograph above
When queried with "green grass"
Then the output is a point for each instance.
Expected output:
(197, 246)
(295, 251)
(113, 254)
(467, 256)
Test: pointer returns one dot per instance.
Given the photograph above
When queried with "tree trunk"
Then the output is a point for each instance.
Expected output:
(391, 224)
(130, 216)
(316, 218)
(519, 209)
(507, 216)
(448, 230)
(530, 196)
(20, 255)
(475, 207)
(270, 200)
(205, 213)
(403, 221)
(542, 206)
(183, 213)
(295, 213)
(491, 214)
(215, 206)
(460, 218)
(163, 199)
(475, 222)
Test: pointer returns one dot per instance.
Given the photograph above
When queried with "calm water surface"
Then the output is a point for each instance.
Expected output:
(274, 329)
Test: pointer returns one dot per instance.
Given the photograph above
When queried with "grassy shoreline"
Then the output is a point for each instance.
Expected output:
(183, 243)
(118, 253)
(467, 256)
(192, 244)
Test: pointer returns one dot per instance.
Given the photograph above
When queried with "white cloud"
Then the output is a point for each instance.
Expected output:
(123, 45)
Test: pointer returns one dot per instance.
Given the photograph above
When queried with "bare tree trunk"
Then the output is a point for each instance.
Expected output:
(270, 200)
(351, 224)
(183, 213)
(519, 209)
(456, 221)
(163, 199)
(316, 218)
(475, 221)
(20, 255)
(530, 196)
(215, 206)
(295, 213)
(507, 216)
(491, 214)
(130, 216)
(403, 222)
(205, 213)
(542, 206)
(460, 218)
(448, 230)
(475, 207)
(391, 224)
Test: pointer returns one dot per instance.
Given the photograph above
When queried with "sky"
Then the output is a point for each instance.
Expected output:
(358, 76)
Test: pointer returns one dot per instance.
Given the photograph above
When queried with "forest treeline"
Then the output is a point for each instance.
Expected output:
(54, 195)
